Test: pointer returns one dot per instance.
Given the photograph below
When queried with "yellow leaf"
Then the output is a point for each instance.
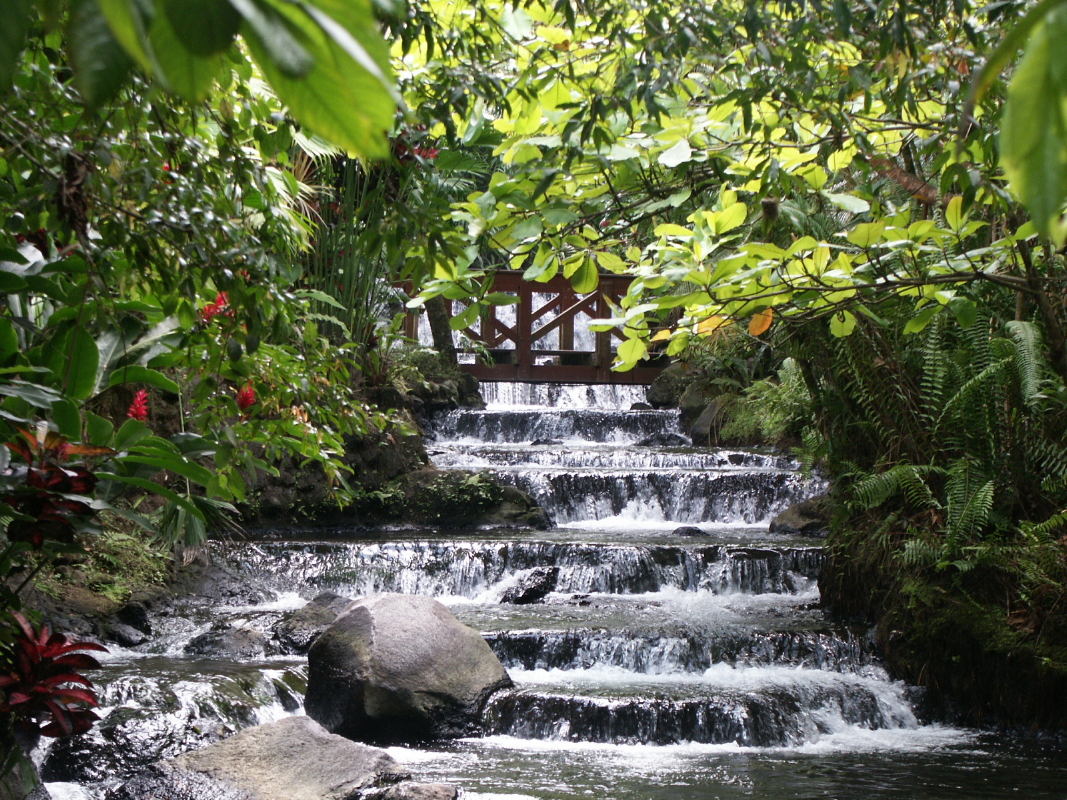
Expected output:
(761, 321)
(711, 324)
(663, 335)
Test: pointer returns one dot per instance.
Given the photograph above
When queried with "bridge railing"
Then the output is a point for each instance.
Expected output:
(535, 321)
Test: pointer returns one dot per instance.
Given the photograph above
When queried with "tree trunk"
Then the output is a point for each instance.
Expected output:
(438, 315)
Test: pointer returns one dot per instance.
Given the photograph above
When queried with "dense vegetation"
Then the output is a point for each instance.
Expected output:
(202, 214)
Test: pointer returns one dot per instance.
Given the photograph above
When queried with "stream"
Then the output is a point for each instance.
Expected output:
(649, 662)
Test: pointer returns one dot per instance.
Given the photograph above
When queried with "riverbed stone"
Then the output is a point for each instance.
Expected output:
(693, 402)
(292, 759)
(408, 790)
(809, 517)
(400, 668)
(230, 643)
(297, 631)
(531, 587)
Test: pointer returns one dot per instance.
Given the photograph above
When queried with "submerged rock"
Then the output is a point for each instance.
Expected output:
(810, 517)
(400, 668)
(664, 440)
(292, 759)
(414, 791)
(532, 587)
(688, 530)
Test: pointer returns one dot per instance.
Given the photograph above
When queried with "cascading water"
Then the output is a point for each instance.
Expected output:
(649, 661)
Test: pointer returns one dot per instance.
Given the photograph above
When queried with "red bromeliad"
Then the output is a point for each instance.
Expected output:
(220, 306)
(44, 692)
(139, 407)
(246, 397)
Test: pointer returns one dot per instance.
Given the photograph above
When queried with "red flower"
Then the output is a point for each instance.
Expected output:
(139, 407)
(220, 306)
(246, 397)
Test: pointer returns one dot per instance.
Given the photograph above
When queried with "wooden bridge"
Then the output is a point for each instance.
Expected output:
(529, 359)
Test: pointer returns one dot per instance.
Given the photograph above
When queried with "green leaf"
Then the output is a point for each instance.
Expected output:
(98, 428)
(131, 432)
(187, 75)
(678, 153)
(585, 279)
(610, 262)
(79, 370)
(129, 21)
(954, 214)
(13, 30)
(68, 419)
(271, 31)
(465, 318)
(154, 488)
(917, 323)
(1033, 140)
(730, 217)
(32, 393)
(100, 63)
(204, 27)
(500, 299)
(10, 282)
(139, 374)
(177, 464)
(848, 202)
(338, 98)
(632, 350)
(965, 310)
(842, 324)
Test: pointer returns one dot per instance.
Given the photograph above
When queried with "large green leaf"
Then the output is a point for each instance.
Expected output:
(204, 27)
(100, 63)
(138, 374)
(79, 370)
(129, 21)
(187, 75)
(270, 30)
(339, 99)
(1033, 139)
(15, 24)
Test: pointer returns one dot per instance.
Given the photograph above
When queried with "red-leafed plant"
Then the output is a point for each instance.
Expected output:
(45, 692)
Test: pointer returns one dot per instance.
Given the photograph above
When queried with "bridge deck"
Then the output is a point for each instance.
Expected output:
(527, 360)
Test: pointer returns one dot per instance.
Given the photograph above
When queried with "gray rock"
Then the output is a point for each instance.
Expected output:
(297, 632)
(532, 587)
(810, 517)
(667, 388)
(688, 530)
(235, 644)
(400, 668)
(126, 635)
(693, 402)
(415, 791)
(135, 614)
(664, 440)
(11, 781)
(292, 759)
(705, 429)
(640, 407)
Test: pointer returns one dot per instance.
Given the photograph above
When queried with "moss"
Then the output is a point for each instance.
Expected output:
(119, 561)
(958, 634)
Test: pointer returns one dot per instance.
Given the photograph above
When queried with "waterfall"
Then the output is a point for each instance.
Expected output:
(663, 643)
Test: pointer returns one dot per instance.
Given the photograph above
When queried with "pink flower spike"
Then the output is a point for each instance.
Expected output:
(246, 397)
(139, 407)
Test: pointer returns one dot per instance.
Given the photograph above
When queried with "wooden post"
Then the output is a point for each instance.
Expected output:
(566, 328)
(524, 327)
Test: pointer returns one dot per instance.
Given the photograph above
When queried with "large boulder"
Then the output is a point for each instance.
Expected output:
(693, 402)
(400, 668)
(809, 517)
(667, 388)
(292, 759)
